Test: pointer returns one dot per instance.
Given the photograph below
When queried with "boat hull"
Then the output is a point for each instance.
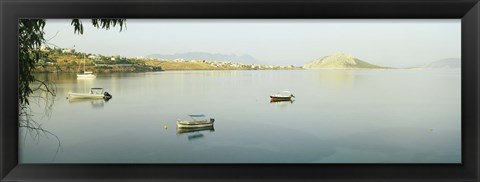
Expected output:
(192, 130)
(85, 76)
(72, 95)
(194, 125)
(280, 98)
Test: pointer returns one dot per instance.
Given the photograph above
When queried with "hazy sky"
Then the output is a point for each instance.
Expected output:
(383, 42)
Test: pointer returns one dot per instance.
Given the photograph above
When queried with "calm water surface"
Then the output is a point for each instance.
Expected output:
(371, 116)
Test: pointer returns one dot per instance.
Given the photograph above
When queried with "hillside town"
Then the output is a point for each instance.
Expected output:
(68, 60)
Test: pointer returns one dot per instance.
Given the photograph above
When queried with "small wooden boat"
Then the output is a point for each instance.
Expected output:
(95, 93)
(197, 121)
(282, 96)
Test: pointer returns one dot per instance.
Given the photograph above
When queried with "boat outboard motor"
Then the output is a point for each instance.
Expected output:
(212, 120)
(107, 95)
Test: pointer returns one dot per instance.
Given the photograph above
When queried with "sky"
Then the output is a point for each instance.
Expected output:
(395, 43)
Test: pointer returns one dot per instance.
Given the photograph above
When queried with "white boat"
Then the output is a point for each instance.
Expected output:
(197, 121)
(86, 74)
(95, 93)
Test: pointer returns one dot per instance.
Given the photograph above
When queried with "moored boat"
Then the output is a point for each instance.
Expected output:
(197, 121)
(282, 96)
(86, 74)
(95, 93)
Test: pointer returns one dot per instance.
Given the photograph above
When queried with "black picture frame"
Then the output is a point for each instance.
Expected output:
(466, 10)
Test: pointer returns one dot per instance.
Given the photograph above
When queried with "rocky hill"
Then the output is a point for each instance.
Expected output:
(340, 61)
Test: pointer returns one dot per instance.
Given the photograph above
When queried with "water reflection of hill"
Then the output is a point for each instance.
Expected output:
(58, 78)
(336, 79)
(211, 73)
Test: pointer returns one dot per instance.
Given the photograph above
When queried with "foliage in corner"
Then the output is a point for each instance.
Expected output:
(30, 40)
(99, 23)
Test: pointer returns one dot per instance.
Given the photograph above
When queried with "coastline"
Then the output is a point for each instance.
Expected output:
(170, 67)
(57, 62)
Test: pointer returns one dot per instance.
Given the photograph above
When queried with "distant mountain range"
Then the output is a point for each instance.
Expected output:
(340, 61)
(246, 59)
(449, 63)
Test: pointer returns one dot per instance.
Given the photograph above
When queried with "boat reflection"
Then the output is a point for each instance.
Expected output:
(282, 103)
(195, 136)
(194, 130)
(194, 133)
(96, 103)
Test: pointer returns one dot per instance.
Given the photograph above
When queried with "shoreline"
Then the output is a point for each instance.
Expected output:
(176, 70)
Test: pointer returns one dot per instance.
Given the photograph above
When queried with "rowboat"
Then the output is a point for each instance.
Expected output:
(196, 121)
(282, 96)
(95, 93)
